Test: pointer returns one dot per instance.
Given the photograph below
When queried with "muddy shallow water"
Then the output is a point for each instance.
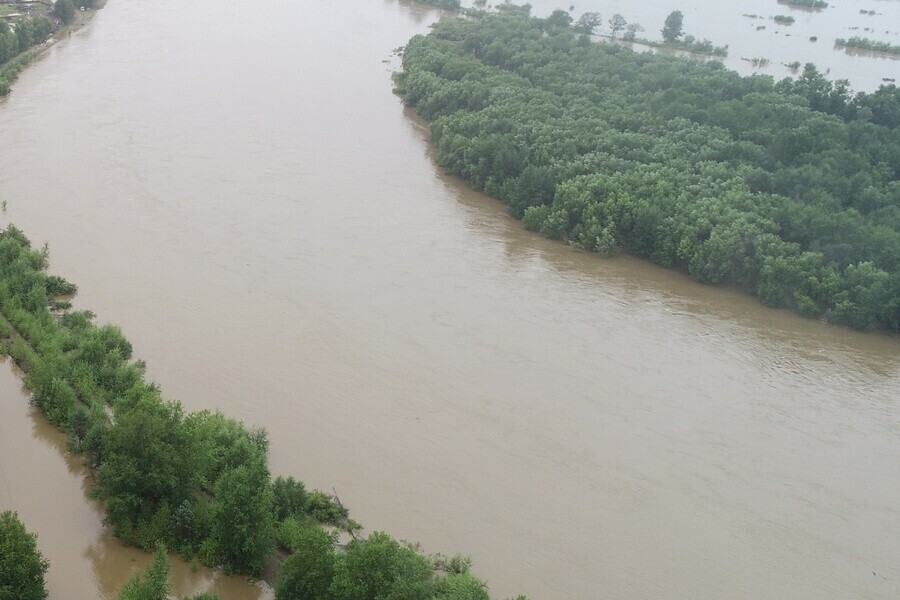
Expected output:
(242, 193)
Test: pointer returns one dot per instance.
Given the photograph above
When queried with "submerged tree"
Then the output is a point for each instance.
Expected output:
(155, 583)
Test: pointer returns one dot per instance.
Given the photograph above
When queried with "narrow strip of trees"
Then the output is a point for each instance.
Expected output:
(198, 483)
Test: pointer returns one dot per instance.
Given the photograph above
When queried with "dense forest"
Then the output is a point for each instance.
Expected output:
(789, 190)
(198, 483)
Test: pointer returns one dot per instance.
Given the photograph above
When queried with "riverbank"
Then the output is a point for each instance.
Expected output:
(197, 482)
(13, 67)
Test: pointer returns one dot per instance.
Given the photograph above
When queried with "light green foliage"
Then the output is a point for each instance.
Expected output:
(460, 587)
(198, 482)
(381, 568)
(223, 443)
(155, 583)
(243, 524)
(22, 567)
(290, 498)
(308, 573)
(788, 190)
(148, 468)
(867, 44)
(324, 509)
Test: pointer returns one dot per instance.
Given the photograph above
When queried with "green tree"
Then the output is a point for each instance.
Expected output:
(155, 583)
(64, 10)
(588, 23)
(616, 24)
(22, 567)
(243, 524)
(308, 572)
(559, 20)
(673, 27)
(381, 568)
(149, 461)
(631, 31)
(461, 586)
(290, 498)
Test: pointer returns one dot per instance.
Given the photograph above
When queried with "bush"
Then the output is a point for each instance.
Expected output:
(22, 567)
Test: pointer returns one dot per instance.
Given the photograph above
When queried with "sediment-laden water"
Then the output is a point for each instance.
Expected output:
(241, 192)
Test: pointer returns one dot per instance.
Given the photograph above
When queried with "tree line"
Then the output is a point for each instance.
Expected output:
(867, 44)
(197, 483)
(789, 190)
(16, 40)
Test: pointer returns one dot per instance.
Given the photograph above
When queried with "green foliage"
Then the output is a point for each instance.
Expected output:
(381, 568)
(242, 524)
(805, 3)
(64, 10)
(155, 583)
(325, 509)
(200, 482)
(445, 4)
(147, 468)
(673, 28)
(290, 498)
(588, 23)
(783, 189)
(783, 19)
(616, 24)
(867, 44)
(57, 286)
(223, 443)
(460, 587)
(308, 573)
(22, 567)
(456, 564)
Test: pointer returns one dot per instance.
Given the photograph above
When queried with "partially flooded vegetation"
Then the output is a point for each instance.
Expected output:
(807, 220)
(199, 482)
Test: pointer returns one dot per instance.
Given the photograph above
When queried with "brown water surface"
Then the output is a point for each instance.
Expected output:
(242, 193)
(47, 487)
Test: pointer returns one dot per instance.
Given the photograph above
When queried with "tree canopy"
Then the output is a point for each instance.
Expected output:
(673, 28)
(64, 10)
(22, 567)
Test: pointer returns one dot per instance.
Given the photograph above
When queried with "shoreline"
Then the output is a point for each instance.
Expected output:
(82, 19)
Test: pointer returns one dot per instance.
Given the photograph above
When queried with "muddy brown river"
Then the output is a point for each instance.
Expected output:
(241, 192)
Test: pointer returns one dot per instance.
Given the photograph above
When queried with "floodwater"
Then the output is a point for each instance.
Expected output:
(748, 30)
(242, 193)
(47, 487)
